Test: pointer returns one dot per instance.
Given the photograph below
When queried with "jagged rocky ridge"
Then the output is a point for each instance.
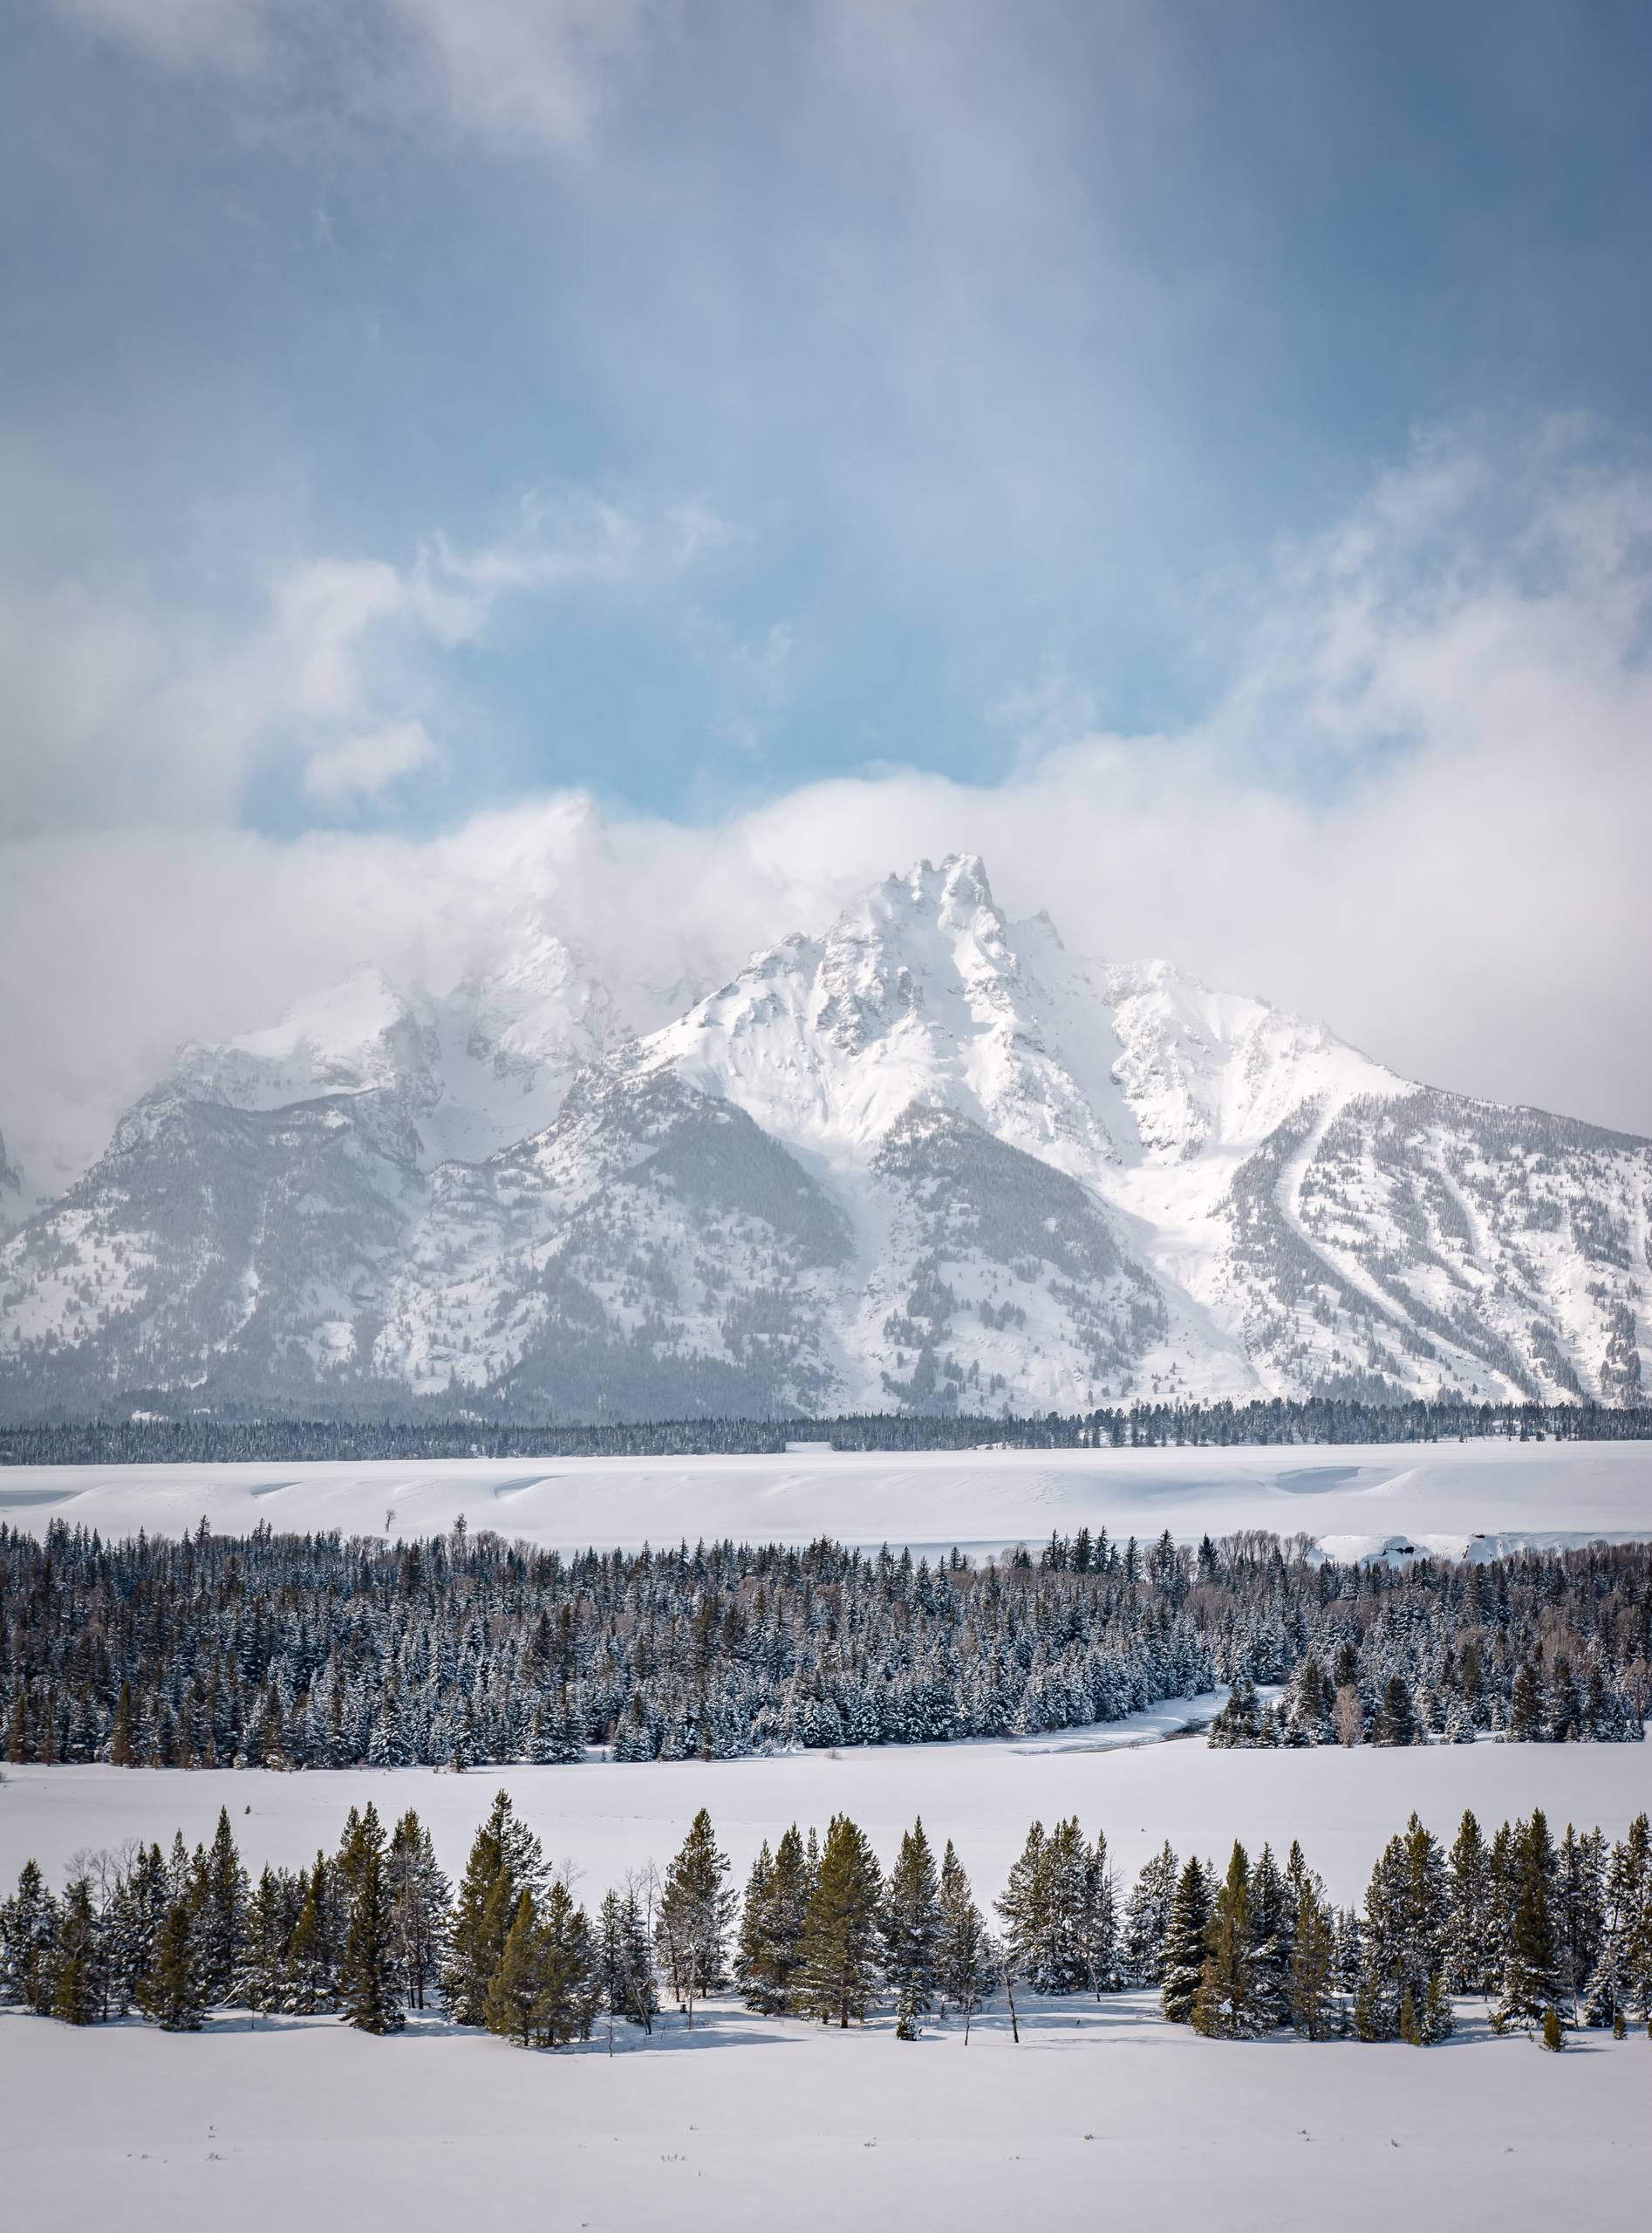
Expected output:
(928, 1161)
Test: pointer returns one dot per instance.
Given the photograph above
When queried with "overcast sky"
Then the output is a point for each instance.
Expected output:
(663, 465)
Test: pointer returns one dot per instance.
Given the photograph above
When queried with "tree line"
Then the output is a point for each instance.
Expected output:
(227, 1436)
(313, 1651)
(1550, 1935)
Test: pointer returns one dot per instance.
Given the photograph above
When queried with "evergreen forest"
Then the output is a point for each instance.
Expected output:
(310, 1651)
(1550, 1935)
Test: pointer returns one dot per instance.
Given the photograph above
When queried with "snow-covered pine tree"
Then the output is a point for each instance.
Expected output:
(419, 1908)
(1468, 1968)
(964, 1956)
(1532, 1975)
(80, 1959)
(1184, 1942)
(173, 1993)
(28, 1941)
(626, 1960)
(1147, 1918)
(912, 1925)
(695, 1911)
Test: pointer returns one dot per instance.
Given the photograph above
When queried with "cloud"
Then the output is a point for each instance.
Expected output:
(1417, 809)
(514, 74)
(362, 766)
(126, 709)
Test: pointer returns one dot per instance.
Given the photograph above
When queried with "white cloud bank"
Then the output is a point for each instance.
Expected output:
(1420, 811)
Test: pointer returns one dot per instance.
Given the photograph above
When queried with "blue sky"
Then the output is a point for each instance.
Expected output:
(430, 408)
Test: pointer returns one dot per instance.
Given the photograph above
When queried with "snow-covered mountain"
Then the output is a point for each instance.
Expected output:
(929, 1159)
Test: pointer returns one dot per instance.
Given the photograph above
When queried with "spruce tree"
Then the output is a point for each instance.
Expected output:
(841, 1935)
(419, 1906)
(1273, 1922)
(173, 1993)
(768, 1949)
(964, 1953)
(1226, 2006)
(1147, 1919)
(370, 1991)
(312, 1952)
(1468, 1967)
(569, 1971)
(695, 1911)
(625, 1960)
(222, 1917)
(138, 1911)
(911, 1926)
(511, 2005)
(1313, 1976)
(1532, 1979)
(28, 1941)
(78, 1959)
(1185, 1943)
(505, 1862)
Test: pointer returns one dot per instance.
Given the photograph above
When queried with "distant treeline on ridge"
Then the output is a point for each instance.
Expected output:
(225, 1437)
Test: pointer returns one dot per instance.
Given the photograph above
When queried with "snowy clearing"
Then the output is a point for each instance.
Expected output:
(1353, 1499)
(1100, 2116)
(608, 1817)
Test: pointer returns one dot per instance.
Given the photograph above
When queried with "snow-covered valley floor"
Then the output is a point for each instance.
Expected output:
(1355, 1498)
(608, 1817)
(1102, 2116)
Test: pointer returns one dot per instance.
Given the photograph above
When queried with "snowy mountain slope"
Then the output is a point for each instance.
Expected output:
(928, 1158)
(476, 1071)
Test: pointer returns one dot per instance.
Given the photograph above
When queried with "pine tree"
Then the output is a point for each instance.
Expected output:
(570, 1991)
(771, 1930)
(420, 1902)
(511, 2005)
(312, 1950)
(1185, 1943)
(369, 1989)
(1273, 1922)
(1531, 1980)
(964, 1955)
(1612, 1992)
(505, 1862)
(625, 1960)
(28, 1941)
(139, 1910)
(695, 1911)
(1527, 1707)
(1147, 1919)
(1394, 1722)
(841, 1935)
(262, 1984)
(912, 1925)
(1226, 2007)
(1313, 1978)
(173, 1993)
(222, 1918)
(1468, 1967)
(78, 1959)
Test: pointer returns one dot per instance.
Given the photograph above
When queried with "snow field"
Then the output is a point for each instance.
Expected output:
(1100, 2117)
(1355, 1498)
(608, 1817)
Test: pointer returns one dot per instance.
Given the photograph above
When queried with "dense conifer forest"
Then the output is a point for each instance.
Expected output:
(1551, 1935)
(311, 1651)
(226, 1436)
